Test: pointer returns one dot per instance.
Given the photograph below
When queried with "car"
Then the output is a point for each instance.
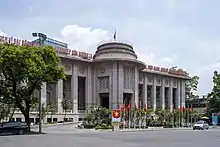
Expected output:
(201, 125)
(17, 128)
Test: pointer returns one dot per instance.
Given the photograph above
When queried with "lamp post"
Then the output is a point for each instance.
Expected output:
(42, 38)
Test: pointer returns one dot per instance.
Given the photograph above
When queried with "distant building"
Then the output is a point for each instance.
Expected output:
(198, 104)
(52, 42)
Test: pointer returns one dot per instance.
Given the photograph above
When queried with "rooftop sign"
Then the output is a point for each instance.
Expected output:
(177, 72)
(61, 51)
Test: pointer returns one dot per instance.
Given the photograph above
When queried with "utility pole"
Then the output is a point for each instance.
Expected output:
(41, 38)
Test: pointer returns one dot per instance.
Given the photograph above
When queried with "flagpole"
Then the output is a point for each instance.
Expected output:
(124, 115)
(183, 116)
(172, 110)
(129, 116)
(187, 115)
(134, 116)
(179, 116)
(191, 115)
(140, 109)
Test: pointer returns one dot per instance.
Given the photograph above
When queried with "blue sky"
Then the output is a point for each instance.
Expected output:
(164, 32)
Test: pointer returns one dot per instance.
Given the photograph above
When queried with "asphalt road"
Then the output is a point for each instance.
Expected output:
(70, 137)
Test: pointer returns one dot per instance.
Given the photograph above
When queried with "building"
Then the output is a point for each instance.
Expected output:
(198, 104)
(111, 77)
(52, 42)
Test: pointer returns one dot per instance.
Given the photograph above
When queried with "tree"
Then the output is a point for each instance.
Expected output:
(52, 109)
(214, 96)
(23, 69)
(4, 111)
(66, 105)
(191, 86)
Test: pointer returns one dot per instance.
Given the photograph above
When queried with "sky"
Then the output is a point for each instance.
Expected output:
(166, 33)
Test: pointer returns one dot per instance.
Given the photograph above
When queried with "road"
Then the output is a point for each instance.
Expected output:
(68, 136)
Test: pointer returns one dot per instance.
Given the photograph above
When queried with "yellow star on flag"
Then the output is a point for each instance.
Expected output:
(116, 113)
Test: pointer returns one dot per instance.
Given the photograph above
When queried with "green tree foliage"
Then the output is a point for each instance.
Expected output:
(66, 105)
(214, 96)
(23, 69)
(52, 109)
(191, 86)
(4, 111)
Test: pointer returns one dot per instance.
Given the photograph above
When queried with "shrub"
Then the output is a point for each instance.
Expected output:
(103, 127)
(89, 126)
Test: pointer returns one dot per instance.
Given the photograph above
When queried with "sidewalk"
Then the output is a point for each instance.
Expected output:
(54, 125)
(154, 129)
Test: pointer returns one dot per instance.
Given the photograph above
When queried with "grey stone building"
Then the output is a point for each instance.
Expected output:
(111, 77)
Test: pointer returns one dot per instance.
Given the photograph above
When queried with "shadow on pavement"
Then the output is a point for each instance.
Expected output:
(26, 133)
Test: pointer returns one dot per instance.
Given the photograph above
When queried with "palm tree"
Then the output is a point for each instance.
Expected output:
(66, 105)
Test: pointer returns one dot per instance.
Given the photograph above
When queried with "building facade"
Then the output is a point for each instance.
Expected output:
(111, 77)
(52, 42)
(198, 104)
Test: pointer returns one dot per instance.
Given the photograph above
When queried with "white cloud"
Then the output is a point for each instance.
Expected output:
(83, 38)
(2, 33)
(87, 38)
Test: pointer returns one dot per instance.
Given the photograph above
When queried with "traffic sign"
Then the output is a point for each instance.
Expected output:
(116, 116)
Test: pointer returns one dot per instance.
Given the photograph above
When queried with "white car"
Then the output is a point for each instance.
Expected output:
(201, 125)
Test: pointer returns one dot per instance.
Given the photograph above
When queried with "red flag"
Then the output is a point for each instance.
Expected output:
(129, 106)
(145, 107)
(188, 108)
(135, 106)
(122, 107)
(172, 107)
(181, 109)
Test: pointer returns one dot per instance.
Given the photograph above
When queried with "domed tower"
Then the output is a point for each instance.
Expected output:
(116, 70)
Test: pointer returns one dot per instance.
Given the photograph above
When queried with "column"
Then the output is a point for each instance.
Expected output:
(59, 95)
(183, 93)
(114, 86)
(74, 89)
(178, 94)
(43, 94)
(89, 88)
(94, 88)
(162, 94)
(154, 94)
(170, 95)
(120, 83)
(136, 85)
(145, 90)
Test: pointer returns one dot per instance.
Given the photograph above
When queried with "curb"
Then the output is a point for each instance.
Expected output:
(54, 125)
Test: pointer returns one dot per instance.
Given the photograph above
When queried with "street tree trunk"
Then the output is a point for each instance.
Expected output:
(12, 114)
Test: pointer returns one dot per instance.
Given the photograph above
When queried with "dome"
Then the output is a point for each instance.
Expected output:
(114, 50)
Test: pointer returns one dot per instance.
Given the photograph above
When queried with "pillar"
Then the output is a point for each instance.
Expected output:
(154, 94)
(145, 90)
(170, 95)
(89, 87)
(115, 85)
(178, 94)
(94, 87)
(59, 94)
(136, 85)
(183, 93)
(120, 83)
(162, 95)
(74, 88)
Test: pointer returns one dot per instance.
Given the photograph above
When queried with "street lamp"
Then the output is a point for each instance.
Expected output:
(42, 38)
